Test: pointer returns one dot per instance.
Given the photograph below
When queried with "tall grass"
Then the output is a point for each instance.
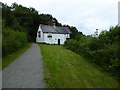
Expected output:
(12, 41)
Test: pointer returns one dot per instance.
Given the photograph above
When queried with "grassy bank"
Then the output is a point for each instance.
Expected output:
(66, 69)
(11, 57)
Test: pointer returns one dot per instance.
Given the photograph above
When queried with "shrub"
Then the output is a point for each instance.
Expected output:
(12, 41)
(103, 50)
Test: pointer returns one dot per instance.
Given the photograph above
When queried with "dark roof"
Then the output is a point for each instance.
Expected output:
(56, 29)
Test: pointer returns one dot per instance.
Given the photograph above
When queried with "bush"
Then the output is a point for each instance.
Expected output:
(107, 57)
(103, 50)
(77, 47)
(12, 41)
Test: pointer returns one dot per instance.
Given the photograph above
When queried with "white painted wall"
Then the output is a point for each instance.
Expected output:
(55, 37)
(119, 12)
(41, 39)
(54, 40)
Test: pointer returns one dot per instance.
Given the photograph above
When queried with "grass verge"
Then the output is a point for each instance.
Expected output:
(66, 69)
(11, 57)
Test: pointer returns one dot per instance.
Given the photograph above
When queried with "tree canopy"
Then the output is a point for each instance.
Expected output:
(23, 19)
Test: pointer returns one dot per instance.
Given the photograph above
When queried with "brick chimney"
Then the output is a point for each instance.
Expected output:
(50, 23)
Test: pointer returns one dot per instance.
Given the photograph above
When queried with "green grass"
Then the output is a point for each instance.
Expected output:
(66, 69)
(11, 57)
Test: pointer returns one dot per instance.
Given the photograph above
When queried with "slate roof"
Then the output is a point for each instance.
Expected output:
(56, 29)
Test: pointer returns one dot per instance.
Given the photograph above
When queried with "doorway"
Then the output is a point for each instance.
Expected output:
(58, 41)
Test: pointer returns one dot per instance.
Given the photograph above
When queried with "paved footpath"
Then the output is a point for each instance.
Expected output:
(26, 71)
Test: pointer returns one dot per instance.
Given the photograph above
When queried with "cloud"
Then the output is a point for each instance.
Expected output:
(86, 15)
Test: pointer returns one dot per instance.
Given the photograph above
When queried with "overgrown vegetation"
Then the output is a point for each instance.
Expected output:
(103, 50)
(12, 41)
(12, 56)
(23, 19)
(20, 25)
(66, 69)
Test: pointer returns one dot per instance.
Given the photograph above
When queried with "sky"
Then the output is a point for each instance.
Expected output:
(85, 15)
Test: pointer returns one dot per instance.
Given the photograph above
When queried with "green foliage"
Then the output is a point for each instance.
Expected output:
(12, 41)
(66, 69)
(12, 56)
(103, 50)
(20, 18)
(110, 37)
(75, 34)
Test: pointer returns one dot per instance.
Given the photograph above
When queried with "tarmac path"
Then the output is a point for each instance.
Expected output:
(26, 71)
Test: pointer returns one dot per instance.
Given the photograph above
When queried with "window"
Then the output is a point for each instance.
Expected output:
(50, 35)
(39, 34)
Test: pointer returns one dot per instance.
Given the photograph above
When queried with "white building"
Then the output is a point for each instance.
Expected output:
(52, 34)
(119, 12)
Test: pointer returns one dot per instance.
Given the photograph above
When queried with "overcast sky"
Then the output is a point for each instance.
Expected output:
(86, 15)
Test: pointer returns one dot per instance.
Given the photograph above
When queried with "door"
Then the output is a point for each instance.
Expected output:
(58, 41)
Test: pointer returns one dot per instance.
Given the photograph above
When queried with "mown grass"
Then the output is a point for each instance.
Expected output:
(66, 69)
(11, 57)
